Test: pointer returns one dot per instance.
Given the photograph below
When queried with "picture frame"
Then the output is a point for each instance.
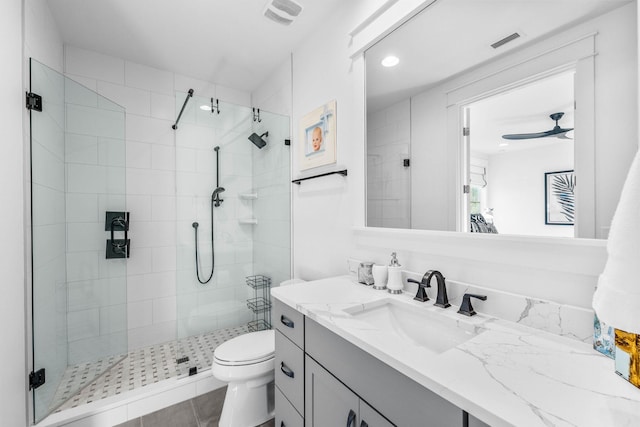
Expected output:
(559, 197)
(317, 145)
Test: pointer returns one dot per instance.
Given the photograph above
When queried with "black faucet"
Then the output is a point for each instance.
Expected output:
(441, 300)
(466, 308)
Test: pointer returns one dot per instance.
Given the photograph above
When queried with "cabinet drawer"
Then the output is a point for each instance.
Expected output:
(286, 415)
(289, 321)
(289, 371)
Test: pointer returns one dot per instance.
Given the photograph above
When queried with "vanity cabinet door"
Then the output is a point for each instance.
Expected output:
(289, 371)
(369, 417)
(289, 322)
(328, 402)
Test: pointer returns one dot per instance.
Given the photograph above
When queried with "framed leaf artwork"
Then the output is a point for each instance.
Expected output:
(559, 195)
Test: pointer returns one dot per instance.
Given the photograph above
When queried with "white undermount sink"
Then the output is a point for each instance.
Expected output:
(425, 328)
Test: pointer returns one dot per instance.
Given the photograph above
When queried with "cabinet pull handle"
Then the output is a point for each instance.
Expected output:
(351, 418)
(286, 321)
(363, 423)
(285, 370)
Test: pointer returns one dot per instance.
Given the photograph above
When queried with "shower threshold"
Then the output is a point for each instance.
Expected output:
(138, 368)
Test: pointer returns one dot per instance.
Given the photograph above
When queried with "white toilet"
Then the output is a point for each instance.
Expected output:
(246, 363)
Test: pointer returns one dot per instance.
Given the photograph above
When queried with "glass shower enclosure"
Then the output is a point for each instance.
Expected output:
(232, 187)
(250, 218)
(79, 286)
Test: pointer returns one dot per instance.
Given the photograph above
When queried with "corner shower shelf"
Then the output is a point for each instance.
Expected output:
(248, 196)
(258, 325)
(248, 221)
(260, 305)
(259, 281)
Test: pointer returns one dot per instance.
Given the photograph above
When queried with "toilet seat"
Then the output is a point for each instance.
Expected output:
(247, 349)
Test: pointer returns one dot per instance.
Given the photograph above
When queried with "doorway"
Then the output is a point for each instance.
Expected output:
(510, 148)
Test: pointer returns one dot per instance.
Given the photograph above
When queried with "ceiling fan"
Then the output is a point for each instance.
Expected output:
(557, 131)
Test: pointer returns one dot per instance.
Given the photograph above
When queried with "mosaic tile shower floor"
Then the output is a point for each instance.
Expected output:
(138, 368)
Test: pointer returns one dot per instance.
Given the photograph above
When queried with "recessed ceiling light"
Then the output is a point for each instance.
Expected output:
(503, 144)
(205, 107)
(390, 61)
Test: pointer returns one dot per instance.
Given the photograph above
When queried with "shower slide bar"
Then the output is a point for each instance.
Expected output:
(189, 95)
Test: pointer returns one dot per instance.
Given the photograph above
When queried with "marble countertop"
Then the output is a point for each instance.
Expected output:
(506, 375)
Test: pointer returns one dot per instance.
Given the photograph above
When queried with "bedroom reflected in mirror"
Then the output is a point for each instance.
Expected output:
(470, 125)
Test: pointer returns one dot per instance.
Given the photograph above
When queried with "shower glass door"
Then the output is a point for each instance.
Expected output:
(213, 312)
(79, 296)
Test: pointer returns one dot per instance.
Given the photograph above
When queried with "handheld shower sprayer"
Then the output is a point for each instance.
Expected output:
(215, 196)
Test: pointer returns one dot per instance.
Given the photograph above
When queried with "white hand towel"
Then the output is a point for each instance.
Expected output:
(617, 298)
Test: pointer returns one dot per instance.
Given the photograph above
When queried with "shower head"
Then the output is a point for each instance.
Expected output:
(257, 139)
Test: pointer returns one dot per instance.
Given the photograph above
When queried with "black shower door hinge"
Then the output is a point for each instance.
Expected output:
(36, 379)
(33, 101)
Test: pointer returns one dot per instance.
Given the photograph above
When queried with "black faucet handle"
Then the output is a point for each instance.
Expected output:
(420, 283)
(421, 295)
(466, 308)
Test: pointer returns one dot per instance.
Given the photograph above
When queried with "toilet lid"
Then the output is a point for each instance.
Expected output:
(246, 349)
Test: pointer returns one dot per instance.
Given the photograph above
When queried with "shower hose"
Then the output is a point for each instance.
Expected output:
(195, 227)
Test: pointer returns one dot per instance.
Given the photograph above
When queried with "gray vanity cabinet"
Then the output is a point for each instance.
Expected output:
(323, 380)
(328, 402)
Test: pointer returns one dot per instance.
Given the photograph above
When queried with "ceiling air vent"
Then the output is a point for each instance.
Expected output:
(282, 11)
(505, 40)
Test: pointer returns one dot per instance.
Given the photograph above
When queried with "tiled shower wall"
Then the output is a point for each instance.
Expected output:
(148, 95)
(388, 180)
(272, 208)
(95, 183)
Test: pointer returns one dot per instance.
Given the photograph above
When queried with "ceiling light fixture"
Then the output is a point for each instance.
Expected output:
(205, 107)
(503, 144)
(390, 61)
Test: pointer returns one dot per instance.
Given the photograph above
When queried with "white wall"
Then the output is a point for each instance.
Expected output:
(274, 94)
(13, 372)
(516, 189)
(388, 180)
(325, 209)
(43, 42)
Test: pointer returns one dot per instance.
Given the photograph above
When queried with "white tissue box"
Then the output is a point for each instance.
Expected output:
(603, 337)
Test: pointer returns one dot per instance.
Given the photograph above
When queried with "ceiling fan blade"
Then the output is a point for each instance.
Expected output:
(558, 132)
(526, 135)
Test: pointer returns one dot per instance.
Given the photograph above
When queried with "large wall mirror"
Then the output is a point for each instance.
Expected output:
(503, 116)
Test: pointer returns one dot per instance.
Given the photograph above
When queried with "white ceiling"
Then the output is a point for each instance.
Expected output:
(455, 35)
(228, 42)
(523, 110)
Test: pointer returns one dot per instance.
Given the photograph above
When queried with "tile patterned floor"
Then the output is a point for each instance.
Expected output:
(137, 369)
(202, 411)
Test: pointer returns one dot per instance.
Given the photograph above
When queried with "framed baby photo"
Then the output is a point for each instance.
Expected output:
(318, 137)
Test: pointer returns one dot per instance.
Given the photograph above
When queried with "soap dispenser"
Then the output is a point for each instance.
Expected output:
(394, 283)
